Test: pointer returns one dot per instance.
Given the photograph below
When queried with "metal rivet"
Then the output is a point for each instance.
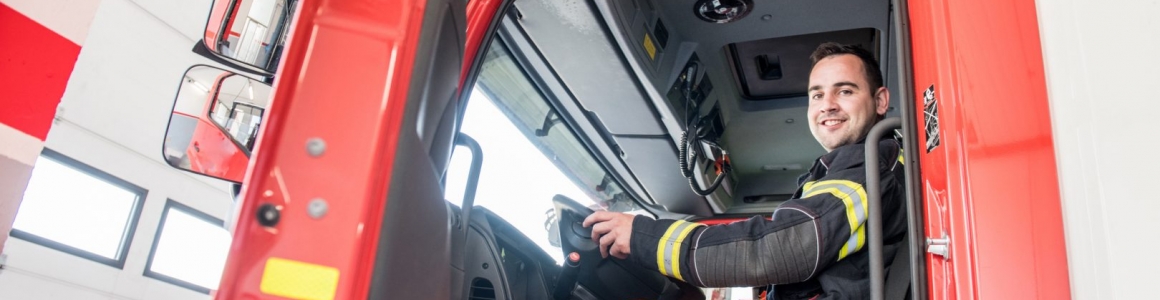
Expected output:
(788, 121)
(315, 147)
(485, 265)
(268, 215)
(767, 17)
(317, 208)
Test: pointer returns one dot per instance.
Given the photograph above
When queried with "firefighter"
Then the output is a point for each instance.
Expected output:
(814, 245)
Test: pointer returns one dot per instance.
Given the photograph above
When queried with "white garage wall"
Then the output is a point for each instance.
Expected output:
(113, 117)
(1101, 73)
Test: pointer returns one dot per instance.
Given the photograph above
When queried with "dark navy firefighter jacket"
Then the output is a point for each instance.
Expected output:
(813, 247)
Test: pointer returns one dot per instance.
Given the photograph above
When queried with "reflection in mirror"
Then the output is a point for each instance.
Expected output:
(235, 109)
(215, 121)
(249, 31)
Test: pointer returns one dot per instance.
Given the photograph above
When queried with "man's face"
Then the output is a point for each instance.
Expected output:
(842, 105)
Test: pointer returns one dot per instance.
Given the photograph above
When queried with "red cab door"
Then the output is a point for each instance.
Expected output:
(994, 226)
(342, 199)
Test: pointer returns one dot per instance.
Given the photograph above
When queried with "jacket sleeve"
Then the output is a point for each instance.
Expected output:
(803, 237)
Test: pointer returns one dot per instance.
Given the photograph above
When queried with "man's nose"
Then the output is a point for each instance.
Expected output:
(828, 104)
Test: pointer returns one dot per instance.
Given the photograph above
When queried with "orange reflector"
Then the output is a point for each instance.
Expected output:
(298, 280)
(574, 257)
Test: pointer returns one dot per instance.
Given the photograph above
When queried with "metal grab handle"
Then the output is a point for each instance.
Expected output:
(874, 203)
(472, 177)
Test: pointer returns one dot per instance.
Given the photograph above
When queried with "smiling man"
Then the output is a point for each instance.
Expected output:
(844, 106)
(813, 246)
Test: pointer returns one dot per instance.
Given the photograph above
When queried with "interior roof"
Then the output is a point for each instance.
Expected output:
(758, 133)
(598, 69)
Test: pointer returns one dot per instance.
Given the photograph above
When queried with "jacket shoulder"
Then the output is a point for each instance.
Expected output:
(854, 156)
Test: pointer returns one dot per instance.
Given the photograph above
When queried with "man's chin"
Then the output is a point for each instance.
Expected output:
(830, 145)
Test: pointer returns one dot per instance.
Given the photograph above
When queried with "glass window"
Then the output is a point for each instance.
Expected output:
(529, 154)
(238, 108)
(190, 249)
(457, 174)
(75, 208)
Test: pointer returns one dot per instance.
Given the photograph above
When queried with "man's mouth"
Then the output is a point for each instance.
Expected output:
(831, 122)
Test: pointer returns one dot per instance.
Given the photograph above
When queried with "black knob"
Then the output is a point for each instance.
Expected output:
(268, 215)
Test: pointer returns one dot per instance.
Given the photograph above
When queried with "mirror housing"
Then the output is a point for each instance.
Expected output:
(247, 34)
(215, 121)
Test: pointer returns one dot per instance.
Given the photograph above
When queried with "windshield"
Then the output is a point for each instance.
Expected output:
(529, 154)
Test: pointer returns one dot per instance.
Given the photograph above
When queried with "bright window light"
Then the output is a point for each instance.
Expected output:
(457, 175)
(190, 249)
(508, 154)
(77, 209)
(530, 154)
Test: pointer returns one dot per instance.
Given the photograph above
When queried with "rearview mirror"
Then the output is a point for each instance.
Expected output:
(249, 33)
(215, 122)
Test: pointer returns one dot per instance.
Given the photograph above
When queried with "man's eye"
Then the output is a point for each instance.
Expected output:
(816, 96)
(847, 92)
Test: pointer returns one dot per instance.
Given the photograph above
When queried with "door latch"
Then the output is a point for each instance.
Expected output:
(939, 246)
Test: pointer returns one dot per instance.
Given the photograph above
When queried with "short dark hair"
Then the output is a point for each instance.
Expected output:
(869, 64)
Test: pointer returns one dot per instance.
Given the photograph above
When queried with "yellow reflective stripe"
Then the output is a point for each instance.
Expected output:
(852, 219)
(854, 197)
(860, 235)
(900, 160)
(661, 247)
(677, 249)
(808, 185)
(860, 232)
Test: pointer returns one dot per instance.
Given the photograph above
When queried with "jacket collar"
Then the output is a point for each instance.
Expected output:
(827, 160)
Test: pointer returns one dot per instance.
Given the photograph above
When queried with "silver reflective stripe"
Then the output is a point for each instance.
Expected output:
(857, 204)
(669, 246)
(852, 244)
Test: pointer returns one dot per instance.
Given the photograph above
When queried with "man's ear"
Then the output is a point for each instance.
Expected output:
(882, 101)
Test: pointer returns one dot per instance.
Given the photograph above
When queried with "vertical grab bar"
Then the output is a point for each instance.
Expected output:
(874, 203)
(900, 34)
(472, 177)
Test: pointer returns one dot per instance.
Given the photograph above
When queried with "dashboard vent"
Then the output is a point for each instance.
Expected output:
(481, 289)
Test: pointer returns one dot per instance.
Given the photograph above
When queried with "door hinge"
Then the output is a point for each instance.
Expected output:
(939, 246)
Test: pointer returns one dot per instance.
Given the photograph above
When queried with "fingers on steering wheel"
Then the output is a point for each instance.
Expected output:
(600, 229)
(596, 217)
(606, 243)
(618, 250)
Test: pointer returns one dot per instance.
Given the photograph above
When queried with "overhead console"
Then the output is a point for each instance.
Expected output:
(774, 68)
(583, 55)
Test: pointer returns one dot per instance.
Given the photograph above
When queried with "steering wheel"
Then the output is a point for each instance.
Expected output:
(573, 235)
(580, 251)
(603, 278)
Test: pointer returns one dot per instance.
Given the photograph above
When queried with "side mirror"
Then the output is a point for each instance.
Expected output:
(215, 122)
(248, 34)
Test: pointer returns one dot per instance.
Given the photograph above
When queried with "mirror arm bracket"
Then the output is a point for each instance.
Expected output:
(200, 49)
(550, 120)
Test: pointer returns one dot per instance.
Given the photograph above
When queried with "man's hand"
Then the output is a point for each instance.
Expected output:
(613, 230)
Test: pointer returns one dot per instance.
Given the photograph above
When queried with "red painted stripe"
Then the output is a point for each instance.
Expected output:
(35, 64)
(724, 221)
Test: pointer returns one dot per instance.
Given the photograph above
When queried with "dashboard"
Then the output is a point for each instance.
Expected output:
(500, 262)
